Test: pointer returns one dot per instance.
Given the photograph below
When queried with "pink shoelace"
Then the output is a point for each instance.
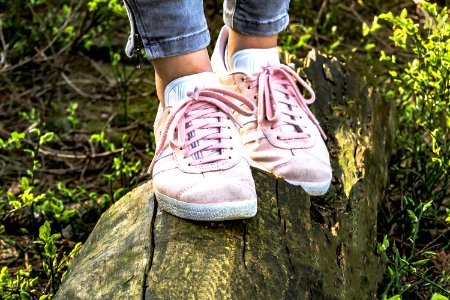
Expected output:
(195, 125)
(281, 79)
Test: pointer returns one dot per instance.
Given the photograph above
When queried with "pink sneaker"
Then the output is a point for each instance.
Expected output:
(199, 172)
(283, 137)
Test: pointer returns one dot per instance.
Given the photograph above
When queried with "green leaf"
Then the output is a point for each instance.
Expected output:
(404, 13)
(385, 242)
(16, 139)
(30, 152)
(421, 262)
(430, 8)
(46, 138)
(387, 17)
(118, 193)
(426, 206)
(365, 29)
(393, 73)
(16, 204)
(68, 213)
(11, 196)
(384, 57)
(66, 9)
(54, 236)
(45, 267)
(35, 131)
(4, 274)
(382, 247)
(412, 215)
(50, 249)
(438, 296)
(44, 231)
(25, 183)
(25, 296)
(375, 26)
(369, 47)
(33, 281)
(76, 249)
(335, 45)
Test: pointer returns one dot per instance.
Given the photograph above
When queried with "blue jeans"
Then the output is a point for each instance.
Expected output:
(174, 27)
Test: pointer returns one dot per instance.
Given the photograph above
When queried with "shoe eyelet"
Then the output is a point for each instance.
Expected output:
(229, 157)
(254, 97)
(278, 137)
(248, 87)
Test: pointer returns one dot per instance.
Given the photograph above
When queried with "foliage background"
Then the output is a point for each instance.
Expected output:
(76, 128)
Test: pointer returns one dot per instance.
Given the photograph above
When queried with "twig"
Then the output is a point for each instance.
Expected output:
(5, 47)
(77, 156)
(427, 246)
(73, 86)
(318, 18)
(352, 10)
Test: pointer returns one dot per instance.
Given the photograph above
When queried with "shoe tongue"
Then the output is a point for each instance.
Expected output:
(251, 61)
(176, 92)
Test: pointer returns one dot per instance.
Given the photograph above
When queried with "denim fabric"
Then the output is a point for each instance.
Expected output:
(256, 17)
(173, 27)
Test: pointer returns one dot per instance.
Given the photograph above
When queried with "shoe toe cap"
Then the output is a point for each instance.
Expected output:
(304, 169)
(219, 190)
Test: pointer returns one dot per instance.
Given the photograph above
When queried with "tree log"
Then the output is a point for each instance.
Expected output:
(297, 247)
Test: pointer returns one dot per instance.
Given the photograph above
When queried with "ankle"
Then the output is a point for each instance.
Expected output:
(170, 68)
(238, 41)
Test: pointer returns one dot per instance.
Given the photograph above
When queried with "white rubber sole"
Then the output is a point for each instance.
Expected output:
(209, 211)
(319, 188)
(313, 188)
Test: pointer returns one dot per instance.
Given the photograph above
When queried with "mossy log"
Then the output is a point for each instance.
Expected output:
(297, 247)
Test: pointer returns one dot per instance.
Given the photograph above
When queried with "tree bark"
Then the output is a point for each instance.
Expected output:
(297, 247)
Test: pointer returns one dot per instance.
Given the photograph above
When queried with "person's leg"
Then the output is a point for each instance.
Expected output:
(254, 24)
(238, 41)
(283, 137)
(198, 169)
(174, 35)
(168, 69)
